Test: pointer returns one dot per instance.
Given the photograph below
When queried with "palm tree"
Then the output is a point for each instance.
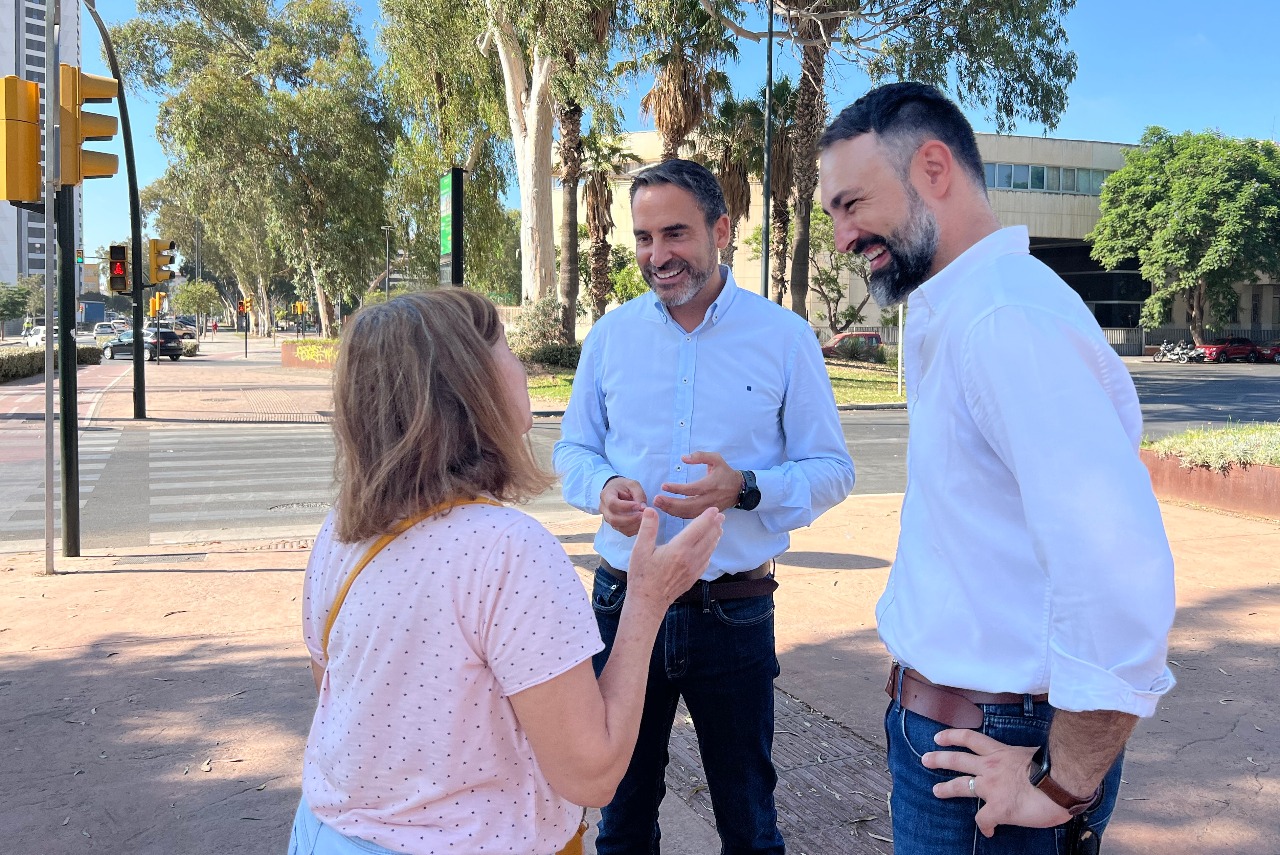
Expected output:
(810, 119)
(725, 145)
(781, 175)
(603, 157)
(686, 48)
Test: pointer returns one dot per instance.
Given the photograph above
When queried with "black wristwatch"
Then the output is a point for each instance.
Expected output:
(1038, 774)
(749, 495)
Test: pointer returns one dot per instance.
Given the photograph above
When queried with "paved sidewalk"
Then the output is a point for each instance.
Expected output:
(157, 701)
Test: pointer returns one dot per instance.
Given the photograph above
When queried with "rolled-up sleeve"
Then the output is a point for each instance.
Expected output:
(817, 472)
(1094, 522)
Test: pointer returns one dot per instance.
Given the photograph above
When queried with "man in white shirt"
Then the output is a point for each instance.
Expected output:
(1031, 597)
(697, 394)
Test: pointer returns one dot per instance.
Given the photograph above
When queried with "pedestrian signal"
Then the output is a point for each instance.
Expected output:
(118, 268)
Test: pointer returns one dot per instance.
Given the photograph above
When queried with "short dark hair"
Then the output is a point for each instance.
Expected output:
(690, 176)
(904, 115)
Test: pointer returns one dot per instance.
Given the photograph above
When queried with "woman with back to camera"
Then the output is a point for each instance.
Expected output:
(451, 640)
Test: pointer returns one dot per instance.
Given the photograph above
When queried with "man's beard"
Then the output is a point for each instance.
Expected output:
(674, 298)
(911, 252)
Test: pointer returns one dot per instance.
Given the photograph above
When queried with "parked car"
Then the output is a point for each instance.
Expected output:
(869, 339)
(1269, 352)
(34, 338)
(181, 329)
(104, 329)
(1222, 349)
(155, 343)
(120, 325)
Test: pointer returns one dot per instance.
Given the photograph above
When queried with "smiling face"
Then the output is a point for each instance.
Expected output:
(676, 252)
(879, 215)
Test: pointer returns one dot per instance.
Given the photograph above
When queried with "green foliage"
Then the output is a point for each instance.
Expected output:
(856, 348)
(624, 273)
(827, 270)
(33, 287)
(190, 347)
(13, 302)
(197, 297)
(1222, 448)
(1201, 213)
(539, 336)
(19, 362)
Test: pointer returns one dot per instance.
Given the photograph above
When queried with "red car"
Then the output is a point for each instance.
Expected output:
(1269, 352)
(869, 339)
(1222, 349)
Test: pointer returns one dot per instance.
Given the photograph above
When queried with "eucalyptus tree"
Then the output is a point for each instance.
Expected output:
(727, 145)
(604, 157)
(281, 98)
(1201, 213)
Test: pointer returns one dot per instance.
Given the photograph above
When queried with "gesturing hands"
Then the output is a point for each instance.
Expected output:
(621, 502)
(659, 574)
(999, 775)
(718, 489)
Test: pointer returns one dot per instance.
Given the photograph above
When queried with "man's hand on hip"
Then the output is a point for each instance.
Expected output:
(999, 775)
(718, 489)
(622, 503)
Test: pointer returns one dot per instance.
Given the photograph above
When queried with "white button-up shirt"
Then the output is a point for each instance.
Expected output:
(748, 383)
(1032, 556)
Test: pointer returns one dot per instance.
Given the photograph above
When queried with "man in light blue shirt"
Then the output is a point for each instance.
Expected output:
(700, 394)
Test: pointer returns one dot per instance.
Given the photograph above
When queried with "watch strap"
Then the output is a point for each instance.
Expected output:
(1043, 781)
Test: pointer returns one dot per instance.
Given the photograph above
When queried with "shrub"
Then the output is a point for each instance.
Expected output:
(859, 348)
(1220, 449)
(538, 336)
(190, 347)
(19, 362)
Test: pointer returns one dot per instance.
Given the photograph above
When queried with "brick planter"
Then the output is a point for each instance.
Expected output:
(1251, 490)
(315, 353)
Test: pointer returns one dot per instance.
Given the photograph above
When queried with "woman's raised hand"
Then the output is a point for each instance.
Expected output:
(659, 574)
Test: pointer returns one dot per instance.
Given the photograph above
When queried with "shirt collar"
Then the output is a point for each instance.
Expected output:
(1013, 240)
(715, 312)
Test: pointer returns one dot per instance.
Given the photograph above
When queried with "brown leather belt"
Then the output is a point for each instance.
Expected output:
(755, 582)
(950, 706)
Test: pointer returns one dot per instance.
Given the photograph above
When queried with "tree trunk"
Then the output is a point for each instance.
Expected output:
(731, 248)
(778, 246)
(1196, 299)
(571, 172)
(528, 98)
(810, 118)
(601, 284)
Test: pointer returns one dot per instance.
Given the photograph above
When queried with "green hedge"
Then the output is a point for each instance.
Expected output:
(1249, 444)
(19, 362)
(190, 347)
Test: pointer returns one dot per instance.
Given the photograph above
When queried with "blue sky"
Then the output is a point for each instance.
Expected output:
(1176, 63)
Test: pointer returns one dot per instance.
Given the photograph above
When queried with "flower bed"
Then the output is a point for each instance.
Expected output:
(303, 353)
(1247, 489)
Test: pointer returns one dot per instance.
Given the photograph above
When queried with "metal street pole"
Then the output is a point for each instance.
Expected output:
(386, 273)
(768, 157)
(52, 173)
(64, 202)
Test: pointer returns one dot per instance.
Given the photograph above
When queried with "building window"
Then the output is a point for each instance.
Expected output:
(35, 29)
(1068, 180)
(1037, 177)
(36, 45)
(1052, 179)
(990, 170)
(1021, 173)
(1004, 176)
(1045, 179)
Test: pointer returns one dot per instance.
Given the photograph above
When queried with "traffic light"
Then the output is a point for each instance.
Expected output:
(20, 140)
(240, 307)
(162, 254)
(79, 255)
(153, 305)
(118, 268)
(299, 308)
(75, 89)
(248, 304)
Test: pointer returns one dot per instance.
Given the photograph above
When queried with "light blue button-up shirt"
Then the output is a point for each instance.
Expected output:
(748, 383)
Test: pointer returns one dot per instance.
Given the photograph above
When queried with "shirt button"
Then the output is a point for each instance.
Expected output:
(688, 338)
(681, 424)
(685, 380)
(678, 468)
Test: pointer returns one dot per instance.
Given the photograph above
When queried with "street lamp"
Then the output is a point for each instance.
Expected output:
(386, 274)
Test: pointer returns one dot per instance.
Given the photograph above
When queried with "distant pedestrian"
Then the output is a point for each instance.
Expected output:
(1030, 601)
(215, 328)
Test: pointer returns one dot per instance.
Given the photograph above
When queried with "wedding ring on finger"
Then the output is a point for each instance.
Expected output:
(973, 787)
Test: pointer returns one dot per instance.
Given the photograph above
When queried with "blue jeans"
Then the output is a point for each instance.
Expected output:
(721, 660)
(924, 824)
(310, 836)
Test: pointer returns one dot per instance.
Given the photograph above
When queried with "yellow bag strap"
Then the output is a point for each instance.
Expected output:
(400, 528)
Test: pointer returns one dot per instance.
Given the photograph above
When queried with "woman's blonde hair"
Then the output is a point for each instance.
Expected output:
(421, 413)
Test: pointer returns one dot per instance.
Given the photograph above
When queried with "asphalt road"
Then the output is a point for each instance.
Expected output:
(147, 484)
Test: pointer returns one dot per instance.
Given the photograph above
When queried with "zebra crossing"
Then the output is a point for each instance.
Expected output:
(148, 485)
(232, 481)
(22, 496)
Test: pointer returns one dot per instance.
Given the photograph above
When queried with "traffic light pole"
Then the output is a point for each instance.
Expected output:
(52, 171)
(65, 217)
(135, 220)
